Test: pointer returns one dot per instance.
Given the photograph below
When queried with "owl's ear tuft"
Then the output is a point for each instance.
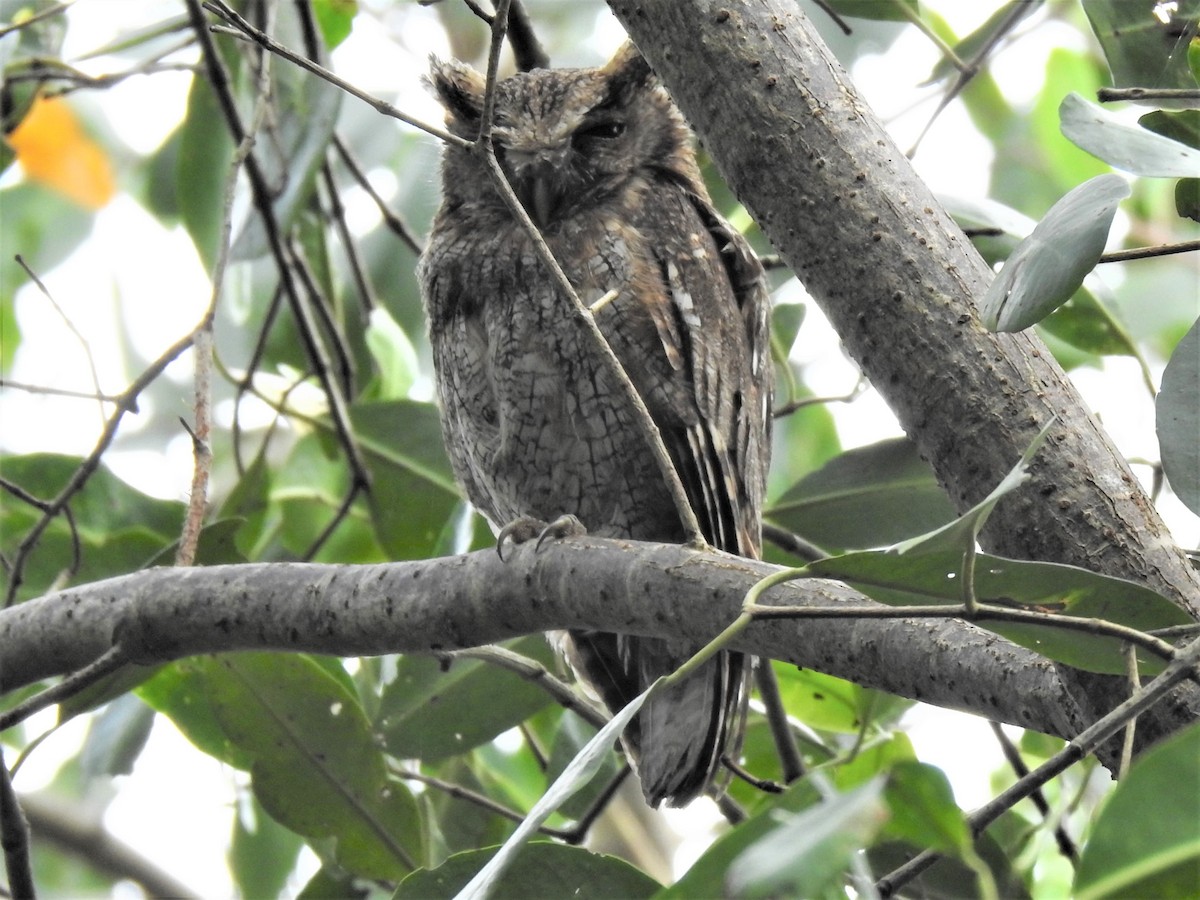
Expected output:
(459, 88)
(628, 71)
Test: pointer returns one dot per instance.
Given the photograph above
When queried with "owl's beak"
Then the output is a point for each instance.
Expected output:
(535, 180)
(543, 200)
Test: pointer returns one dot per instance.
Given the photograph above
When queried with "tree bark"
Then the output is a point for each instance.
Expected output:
(898, 280)
(654, 590)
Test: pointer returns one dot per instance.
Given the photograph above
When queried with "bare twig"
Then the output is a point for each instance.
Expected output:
(266, 42)
(1066, 846)
(1181, 668)
(1111, 95)
(113, 659)
(1150, 252)
(392, 220)
(14, 834)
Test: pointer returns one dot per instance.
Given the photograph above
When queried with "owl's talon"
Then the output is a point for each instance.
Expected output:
(520, 530)
(562, 527)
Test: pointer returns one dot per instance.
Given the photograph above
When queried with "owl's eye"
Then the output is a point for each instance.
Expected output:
(600, 131)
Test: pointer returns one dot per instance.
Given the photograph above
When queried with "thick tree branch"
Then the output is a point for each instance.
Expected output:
(898, 280)
(433, 605)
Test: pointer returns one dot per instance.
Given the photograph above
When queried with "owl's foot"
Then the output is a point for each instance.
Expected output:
(526, 528)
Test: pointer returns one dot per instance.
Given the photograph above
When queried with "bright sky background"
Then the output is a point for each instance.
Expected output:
(131, 270)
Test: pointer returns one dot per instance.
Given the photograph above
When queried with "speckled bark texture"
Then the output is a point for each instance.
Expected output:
(899, 282)
(652, 590)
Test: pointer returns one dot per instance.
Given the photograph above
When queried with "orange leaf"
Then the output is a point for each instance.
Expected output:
(54, 150)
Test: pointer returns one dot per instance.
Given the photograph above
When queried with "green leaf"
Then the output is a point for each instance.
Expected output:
(873, 9)
(875, 758)
(1178, 419)
(335, 18)
(865, 497)
(1085, 323)
(262, 853)
(570, 737)
(923, 811)
(786, 319)
(1050, 265)
(413, 493)
(316, 767)
(393, 353)
(305, 112)
(829, 703)
(205, 153)
(41, 225)
(807, 852)
(431, 711)
(119, 529)
(179, 690)
(709, 870)
(1130, 147)
(1146, 841)
(116, 737)
(542, 869)
(915, 578)
(1142, 49)
(581, 770)
(1001, 22)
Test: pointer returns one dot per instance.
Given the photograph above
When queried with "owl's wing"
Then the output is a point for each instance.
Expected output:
(705, 374)
(710, 311)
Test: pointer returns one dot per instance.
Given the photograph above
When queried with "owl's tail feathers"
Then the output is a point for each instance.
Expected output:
(677, 740)
(686, 729)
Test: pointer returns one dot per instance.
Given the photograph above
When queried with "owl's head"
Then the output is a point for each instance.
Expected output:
(567, 139)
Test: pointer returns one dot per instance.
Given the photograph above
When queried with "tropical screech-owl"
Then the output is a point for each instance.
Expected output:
(602, 162)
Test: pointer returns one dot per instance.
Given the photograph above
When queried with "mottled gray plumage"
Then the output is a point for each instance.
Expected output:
(533, 424)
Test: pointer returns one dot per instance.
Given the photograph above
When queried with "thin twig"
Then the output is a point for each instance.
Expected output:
(37, 17)
(83, 342)
(1111, 95)
(790, 763)
(1150, 252)
(535, 673)
(392, 220)
(792, 543)
(266, 42)
(1066, 846)
(1077, 749)
(111, 660)
(14, 834)
(58, 392)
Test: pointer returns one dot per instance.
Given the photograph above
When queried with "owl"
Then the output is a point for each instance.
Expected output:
(532, 420)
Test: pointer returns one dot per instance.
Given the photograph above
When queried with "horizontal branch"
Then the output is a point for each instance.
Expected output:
(442, 604)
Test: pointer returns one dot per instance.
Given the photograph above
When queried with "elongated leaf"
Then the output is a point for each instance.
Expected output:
(1146, 842)
(1128, 147)
(810, 850)
(918, 578)
(413, 494)
(1178, 419)
(542, 869)
(1145, 44)
(315, 764)
(865, 497)
(581, 770)
(923, 811)
(1050, 265)
(429, 712)
(306, 110)
(202, 167)
(702, 879)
